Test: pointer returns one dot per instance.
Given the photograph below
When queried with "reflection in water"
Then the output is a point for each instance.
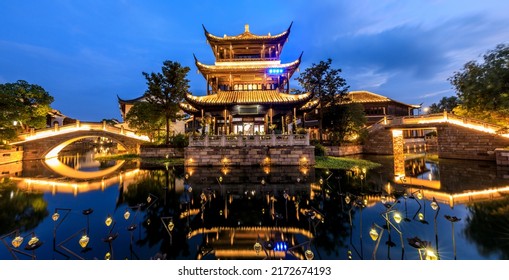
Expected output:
(173, 212)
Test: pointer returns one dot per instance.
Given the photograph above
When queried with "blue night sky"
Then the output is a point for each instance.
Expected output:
(85, 53)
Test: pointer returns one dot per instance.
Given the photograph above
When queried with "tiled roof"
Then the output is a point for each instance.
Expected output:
(246, 66)
(187, 108)
(247, 35)
(248, 97)
(363, 96)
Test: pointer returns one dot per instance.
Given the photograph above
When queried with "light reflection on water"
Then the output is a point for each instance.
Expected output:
(224, 212)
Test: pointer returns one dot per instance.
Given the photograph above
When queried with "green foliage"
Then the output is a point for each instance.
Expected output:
(346, 122)
(146, 118)
(18, 209)
(445, 104)
(483, 86)
(486, 225)
(326, 84)
(320, 150)
(180, 141)
(166, 90)
(24, 106)
(328, 162)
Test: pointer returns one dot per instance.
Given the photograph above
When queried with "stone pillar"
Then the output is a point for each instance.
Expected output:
(399, 153)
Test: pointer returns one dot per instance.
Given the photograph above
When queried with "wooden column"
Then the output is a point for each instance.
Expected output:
(207, 78)
(288, 83)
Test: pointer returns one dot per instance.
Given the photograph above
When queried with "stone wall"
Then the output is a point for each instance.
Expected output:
(159, 152)
(8, 156)
(502, 156)
(379, 142)
(457, 142)
(340, 151)
(249, 156)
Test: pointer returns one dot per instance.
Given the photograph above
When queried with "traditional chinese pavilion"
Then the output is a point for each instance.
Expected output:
(248, 88)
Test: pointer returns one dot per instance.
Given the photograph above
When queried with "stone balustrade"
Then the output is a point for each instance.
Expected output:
(270, 140)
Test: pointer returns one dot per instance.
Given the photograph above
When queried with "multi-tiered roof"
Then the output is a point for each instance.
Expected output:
(247, 71)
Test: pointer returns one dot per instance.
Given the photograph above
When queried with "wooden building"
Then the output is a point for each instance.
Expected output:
(248, 88)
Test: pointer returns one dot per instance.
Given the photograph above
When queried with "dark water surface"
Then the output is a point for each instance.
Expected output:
(254, 213)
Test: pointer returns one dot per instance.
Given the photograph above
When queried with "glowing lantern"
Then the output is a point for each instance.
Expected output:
(33, 241)
(309, 254)
(419, 195)
(347, 199)
(84, 241)
(421, 216)
(397, 217)
(430, 255)
(171, 225)
(434, 204)
(16, 242)
(257, 247)
(108, 221)
(55, 216)
(373, 234)
(107, 256)
(127, 214)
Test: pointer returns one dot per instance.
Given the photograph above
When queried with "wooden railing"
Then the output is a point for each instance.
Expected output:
(249, 140)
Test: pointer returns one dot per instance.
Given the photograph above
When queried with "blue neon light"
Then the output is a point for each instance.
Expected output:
(275, 70)
(281, 246)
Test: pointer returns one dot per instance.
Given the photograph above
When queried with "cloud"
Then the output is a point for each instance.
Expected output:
(436, 93)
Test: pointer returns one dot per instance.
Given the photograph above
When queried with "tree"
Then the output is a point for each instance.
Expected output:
(325, 83)
(347, 121)
(484, 86)
(445, 104)
(145, 118)
(23, 106)
(166, 90)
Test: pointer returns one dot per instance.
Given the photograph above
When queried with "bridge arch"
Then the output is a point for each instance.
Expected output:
(60, 168)
(53, 153)
(48, 143)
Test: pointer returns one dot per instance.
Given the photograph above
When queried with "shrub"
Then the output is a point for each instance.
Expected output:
(320, 150)
(180, 141)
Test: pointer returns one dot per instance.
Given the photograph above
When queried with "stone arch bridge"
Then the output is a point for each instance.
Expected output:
(46, 143)
(454, 137)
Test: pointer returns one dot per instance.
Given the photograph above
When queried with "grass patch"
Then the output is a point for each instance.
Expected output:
(118, 157)
(329, 162)
(170, 161)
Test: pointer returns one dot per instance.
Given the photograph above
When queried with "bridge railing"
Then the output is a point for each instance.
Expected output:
(454, 119)
(249, 140)
(80, 126)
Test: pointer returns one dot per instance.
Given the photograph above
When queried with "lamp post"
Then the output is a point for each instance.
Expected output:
(376, 236)
(436, 207)
(396, 215)
(453, 220)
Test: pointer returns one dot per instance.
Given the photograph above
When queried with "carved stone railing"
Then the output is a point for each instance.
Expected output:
(270, 140)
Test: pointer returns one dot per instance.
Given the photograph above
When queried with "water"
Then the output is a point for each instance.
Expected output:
(253, 213)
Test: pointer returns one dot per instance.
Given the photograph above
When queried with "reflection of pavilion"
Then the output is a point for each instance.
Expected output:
(241, 207)
(238, 242)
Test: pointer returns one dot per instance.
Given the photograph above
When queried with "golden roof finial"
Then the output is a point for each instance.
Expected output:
(246, 28)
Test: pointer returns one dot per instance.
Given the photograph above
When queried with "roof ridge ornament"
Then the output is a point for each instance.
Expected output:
(246, 28)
